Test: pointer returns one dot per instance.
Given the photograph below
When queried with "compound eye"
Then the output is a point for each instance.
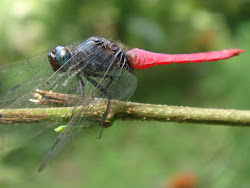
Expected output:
(58, 57)
(62, 55)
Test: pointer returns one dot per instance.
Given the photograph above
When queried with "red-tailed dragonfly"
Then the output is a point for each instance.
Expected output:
(90, 69)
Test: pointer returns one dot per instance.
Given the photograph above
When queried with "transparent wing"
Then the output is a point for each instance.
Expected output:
(17, 80)
(122, 87)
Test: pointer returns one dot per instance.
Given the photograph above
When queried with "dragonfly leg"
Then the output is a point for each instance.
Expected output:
(103, 118)
(73, 90)
(104, 91)
(81, 88)
(101, 76)
(81, 85)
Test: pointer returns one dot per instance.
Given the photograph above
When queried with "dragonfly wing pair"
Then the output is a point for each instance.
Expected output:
(97, 69)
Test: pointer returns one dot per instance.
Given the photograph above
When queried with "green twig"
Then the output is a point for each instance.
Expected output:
(129, 111)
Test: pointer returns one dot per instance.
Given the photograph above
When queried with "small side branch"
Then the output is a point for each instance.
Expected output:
(124, 111)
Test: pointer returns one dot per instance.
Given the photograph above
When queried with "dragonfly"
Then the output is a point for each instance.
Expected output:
(89, 70)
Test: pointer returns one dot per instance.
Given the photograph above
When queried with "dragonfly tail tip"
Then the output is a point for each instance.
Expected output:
(241, 51)
(238, 51)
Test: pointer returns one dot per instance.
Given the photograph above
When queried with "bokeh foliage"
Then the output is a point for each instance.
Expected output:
(140, 154)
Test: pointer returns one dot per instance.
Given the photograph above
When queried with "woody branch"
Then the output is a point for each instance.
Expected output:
(121, 110)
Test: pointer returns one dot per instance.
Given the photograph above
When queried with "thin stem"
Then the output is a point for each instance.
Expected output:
(125, 111)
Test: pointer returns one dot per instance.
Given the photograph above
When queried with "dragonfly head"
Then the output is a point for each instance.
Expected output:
(58, 57)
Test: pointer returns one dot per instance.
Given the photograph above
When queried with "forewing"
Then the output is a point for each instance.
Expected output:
(121, 88)
(65, 81)
(18, 82)
(18, 79)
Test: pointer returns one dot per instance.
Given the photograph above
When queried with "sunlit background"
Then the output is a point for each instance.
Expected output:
(132, 153)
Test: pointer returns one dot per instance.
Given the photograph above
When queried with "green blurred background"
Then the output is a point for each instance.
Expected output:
(141, 154)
